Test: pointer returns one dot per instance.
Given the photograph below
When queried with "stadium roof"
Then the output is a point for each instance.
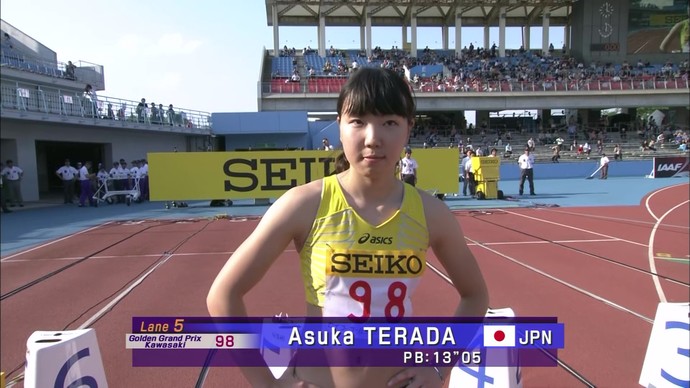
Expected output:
(429, 13)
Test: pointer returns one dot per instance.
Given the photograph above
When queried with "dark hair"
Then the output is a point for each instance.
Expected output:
(341, 164)
(376, 91)
(372, 90)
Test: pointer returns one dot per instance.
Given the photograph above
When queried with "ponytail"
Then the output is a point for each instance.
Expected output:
(341, 163)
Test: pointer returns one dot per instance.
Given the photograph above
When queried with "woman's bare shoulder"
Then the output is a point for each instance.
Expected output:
(300, 200)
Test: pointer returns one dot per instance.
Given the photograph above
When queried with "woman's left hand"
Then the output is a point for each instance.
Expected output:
(426, 377)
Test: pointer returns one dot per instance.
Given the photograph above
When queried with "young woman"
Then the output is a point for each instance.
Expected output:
(330, 217)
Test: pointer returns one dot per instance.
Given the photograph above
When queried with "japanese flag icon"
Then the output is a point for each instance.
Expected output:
(499, 336)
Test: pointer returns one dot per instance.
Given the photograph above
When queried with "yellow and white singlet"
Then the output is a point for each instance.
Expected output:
(354, 269)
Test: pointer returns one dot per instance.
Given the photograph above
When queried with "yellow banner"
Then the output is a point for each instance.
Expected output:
(178, 176)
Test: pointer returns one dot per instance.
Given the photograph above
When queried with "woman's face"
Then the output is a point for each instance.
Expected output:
(372, 143)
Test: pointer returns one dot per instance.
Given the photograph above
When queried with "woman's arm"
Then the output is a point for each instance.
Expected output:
(673, 33)
(286, 220)
(448, 243)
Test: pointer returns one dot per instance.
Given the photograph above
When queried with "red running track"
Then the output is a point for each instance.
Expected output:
(593, 268)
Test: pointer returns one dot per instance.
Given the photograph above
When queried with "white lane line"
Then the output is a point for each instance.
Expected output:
(439, 273)
(563, 282)
(650, 253)
(105, 309)
(646, 202)
(576, 228)
(550, 242)
(607, 218)
(126, 256)
(54, 241)
(122, 295)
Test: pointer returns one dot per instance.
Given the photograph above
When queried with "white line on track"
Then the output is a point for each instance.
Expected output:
(54, 241)
(551, 242)
(650, 251)
(439, 273)
(106, 308)
(228, 253)
(563, 282)
(607, 218)
(646, 203)
(121, 295)
(578, 229)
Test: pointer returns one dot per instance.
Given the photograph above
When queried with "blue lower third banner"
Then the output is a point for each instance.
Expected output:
(157, 341)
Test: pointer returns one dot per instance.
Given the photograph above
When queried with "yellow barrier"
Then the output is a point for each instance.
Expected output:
(2, 379)
(486, 174)
(269, 174)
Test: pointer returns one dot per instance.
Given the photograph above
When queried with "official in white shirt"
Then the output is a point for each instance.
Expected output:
(526, 163)
(604, 163)
(67, 174)
(467, 173)
(408, 168)
(12, 178)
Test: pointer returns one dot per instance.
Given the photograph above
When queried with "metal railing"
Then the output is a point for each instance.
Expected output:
(23, 96)
(334, 84)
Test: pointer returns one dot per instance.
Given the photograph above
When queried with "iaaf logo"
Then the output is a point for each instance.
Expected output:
(375, 239)
(669, 167)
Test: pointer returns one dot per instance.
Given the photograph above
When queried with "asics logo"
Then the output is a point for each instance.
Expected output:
(379, 240)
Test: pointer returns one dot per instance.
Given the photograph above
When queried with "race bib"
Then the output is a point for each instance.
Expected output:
(372, 283)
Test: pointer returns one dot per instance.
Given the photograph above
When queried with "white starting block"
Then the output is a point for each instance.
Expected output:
(272, 353)
(667, 362)
(494, 376)
(64, 358)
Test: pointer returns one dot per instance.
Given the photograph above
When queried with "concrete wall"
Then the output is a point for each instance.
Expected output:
(26, 44)
(511, 171)
(259, 122)
(19, 144)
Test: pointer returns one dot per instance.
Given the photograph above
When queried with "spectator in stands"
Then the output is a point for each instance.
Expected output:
(8, 42)
(155, 114)
(617, 152)
(69, 70)
(651, 145)
(294, 77)
(556, 154)
(91, 101)
(326, 145)
(587, 149)
(141, 110)
(111, 113)
(171, 114)
(122, 112)
(508, 151)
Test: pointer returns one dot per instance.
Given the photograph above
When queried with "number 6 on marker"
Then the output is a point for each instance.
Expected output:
(88, 381)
